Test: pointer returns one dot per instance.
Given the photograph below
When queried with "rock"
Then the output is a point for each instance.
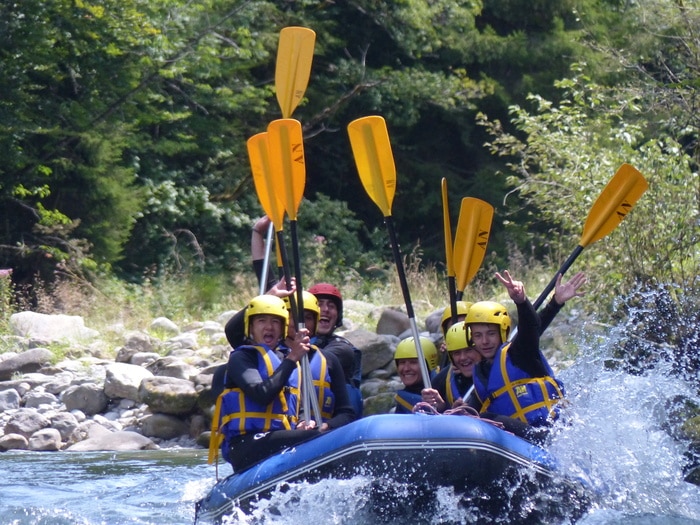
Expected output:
(26, 362)
(164, 325)
(114, 441)
(35, 399)
(9, 399)
(51, 327)
(122, 380)
(392, 322)
(163, 426)
(25, 422)
(66, 423)
(48, 439)
(89, 398)
(172, 367)
(168, 395)
(13, 442)
(377, 350)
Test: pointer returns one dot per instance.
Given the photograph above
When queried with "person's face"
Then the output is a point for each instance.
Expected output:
(464, 360)
(329, 316)
(409, 371)
(266, 329)
(449, 322)
(486, 338)
(309, 324)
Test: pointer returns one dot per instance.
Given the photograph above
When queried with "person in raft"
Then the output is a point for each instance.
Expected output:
(446, 321)
(408, 368)
(331, 303)
(327, 372)
(256, 413)
(513, 378)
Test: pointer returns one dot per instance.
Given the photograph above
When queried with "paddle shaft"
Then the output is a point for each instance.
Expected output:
(425, 374)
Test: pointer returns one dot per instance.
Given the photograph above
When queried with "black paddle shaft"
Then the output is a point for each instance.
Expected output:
(399, 266)
(562, 270)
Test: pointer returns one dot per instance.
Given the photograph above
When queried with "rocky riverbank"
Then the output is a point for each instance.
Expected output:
(67, 387)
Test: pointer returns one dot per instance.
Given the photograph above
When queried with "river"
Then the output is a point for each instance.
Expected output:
(618, 437)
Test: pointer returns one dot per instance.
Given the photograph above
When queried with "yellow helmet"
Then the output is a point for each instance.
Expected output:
(265, 304)
(457, 337)
(310, 303)
(462, 309)
(490, 312)
(406, 349)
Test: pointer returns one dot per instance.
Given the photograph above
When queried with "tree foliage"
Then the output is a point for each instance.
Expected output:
(123, 124)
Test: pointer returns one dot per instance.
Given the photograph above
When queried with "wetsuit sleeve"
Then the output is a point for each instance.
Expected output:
(243, 373)
(524, 351)
(258, 265)
(344, 352)
(235, 329)
(548, 314)
(343, 412)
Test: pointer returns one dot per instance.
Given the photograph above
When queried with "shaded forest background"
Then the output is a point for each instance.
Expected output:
(123, 128)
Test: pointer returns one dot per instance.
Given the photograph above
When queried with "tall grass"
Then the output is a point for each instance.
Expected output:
(185, 298)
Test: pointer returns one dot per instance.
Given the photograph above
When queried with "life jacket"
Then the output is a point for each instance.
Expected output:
(322, 383)
(509, 391)
(451, 387)
(236, 414)
(405, 401)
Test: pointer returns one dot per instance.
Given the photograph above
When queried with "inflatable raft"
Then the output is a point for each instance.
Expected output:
(465, 453)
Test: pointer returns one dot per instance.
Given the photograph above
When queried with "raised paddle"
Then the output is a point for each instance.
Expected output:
(471, 239)
(295, 52)
(371, 148)
(613, 204)
(288, 167)
(449, 259)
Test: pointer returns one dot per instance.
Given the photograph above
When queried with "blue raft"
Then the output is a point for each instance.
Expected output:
(462, 452)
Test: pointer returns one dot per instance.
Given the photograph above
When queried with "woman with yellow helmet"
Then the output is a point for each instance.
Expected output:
(408, 368)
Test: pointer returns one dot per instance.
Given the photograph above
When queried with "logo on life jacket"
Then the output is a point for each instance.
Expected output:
(520, 390)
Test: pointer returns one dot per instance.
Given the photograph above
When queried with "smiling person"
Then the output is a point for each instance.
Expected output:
(408, 368)
(513, 378)
(330, 302)
(256, 414)
(453, 382)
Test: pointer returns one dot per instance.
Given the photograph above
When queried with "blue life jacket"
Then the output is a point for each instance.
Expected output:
(510, 391)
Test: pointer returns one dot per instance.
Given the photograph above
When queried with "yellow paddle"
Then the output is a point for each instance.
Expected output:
(295, 52)
(613, 204)
(371, 149)
(471, 239)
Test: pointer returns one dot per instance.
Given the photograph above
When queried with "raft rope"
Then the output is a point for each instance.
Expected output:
(463, 410)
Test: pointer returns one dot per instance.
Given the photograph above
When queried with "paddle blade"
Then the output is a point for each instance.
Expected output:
(449, 261)
(287, 164)
(295, 52)
(258, 153)
(471, 239)
(613, 204)
(371, 148)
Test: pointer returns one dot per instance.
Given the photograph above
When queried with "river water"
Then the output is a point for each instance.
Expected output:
(618, 438)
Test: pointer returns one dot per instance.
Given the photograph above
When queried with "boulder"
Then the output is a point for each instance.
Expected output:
(25, 422)
(51, 328)
(168, 395)
(26, 362)
(47, 439)
(89, 398)
(377, 350)
(392, 322)
(13, 442)
(9, 399)
(123, 440)
(163, 426)
(122, 380)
